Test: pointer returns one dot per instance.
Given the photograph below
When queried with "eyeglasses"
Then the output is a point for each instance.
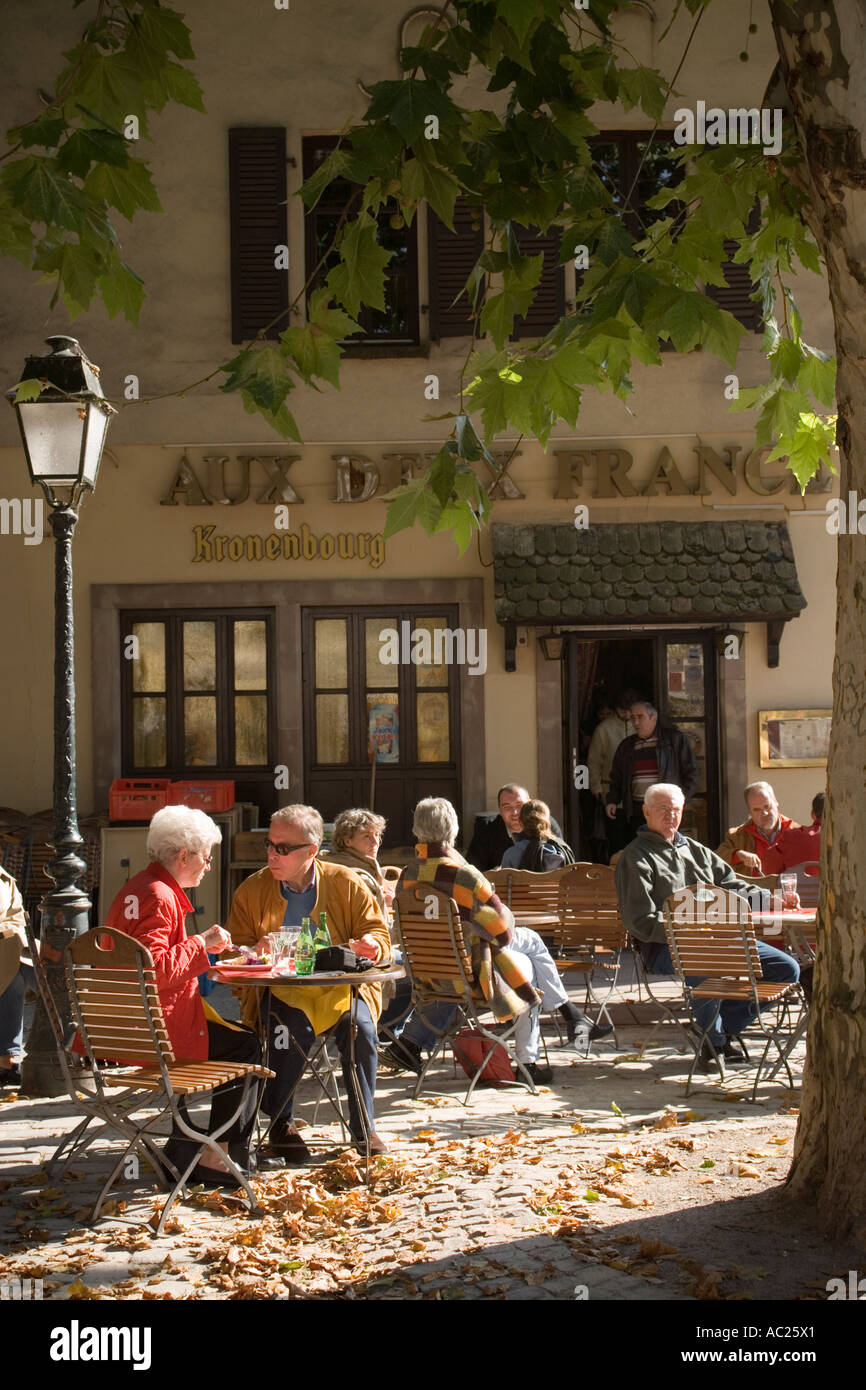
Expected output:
(283, 850)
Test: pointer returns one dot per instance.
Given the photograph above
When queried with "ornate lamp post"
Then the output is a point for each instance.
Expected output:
(63, 429)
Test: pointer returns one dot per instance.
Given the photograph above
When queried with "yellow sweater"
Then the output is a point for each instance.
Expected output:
(259, 907)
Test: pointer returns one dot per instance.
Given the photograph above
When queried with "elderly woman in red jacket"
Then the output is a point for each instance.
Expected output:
(151, 907)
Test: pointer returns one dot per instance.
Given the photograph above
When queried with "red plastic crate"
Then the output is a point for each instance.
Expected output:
(136, 798)
(202, 796)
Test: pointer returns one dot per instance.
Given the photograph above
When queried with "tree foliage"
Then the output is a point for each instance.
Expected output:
(522, 157)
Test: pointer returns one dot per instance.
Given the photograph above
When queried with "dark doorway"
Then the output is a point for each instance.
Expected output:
(677, 672)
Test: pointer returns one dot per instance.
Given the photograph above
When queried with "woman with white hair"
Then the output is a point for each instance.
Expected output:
(151, 907)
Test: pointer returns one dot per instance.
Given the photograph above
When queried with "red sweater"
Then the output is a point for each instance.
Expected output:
(152, 907)
(794, 844)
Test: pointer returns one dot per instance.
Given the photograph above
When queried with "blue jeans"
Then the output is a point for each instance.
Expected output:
(289, 1062)
(12, 1011)
(735, 1015)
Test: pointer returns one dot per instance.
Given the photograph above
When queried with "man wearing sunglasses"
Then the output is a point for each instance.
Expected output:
(296, 884)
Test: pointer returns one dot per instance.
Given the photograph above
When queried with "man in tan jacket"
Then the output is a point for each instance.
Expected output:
(16, 974)
(296, 884)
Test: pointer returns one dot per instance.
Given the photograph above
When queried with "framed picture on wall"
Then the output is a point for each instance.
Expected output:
(794, 737)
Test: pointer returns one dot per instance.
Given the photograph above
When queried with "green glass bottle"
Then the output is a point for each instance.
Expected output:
(322, 939)
(305, 955)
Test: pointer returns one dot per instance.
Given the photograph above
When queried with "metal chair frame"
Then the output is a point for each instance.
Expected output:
(118, 1011)
(435, 954)
(710, 937)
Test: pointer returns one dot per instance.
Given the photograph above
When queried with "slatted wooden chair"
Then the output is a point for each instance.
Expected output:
(528, 894)
(115, 1002)
(590, 936)
(111, 1114)
(437, 958)
(711, 940)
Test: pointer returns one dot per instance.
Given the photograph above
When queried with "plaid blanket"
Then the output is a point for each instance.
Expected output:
(486, 921)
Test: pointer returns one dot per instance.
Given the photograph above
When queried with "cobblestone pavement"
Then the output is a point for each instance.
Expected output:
(608, 1185)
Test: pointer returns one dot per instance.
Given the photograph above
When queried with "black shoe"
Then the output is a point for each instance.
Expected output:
(404, 1056)
(733, 1054)
(540, 1074)
(286, 1143)
(583, 1032)
(10, 1076)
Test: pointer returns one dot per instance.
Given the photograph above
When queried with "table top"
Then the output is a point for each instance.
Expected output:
(535, 919)
(803, 915)
(237, 975)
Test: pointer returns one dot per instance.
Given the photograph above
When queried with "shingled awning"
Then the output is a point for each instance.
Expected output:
(697, 572)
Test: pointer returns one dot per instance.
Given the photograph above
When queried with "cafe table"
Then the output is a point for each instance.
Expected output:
(257, 977)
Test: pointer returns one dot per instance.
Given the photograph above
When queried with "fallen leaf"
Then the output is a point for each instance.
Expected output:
(666, 1121)
(81, 1290)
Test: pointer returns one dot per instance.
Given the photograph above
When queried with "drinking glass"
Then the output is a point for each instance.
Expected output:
(787, 885)
(282, 952)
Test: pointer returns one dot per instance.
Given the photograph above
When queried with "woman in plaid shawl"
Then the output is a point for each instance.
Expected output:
(503, 974)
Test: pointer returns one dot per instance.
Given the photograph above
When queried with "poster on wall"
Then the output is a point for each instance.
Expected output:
(383, 729)
(795, 737)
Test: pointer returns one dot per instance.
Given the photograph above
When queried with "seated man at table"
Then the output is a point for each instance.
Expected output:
(768, 842)
(296, 884)
(493, 835)
(658, 862)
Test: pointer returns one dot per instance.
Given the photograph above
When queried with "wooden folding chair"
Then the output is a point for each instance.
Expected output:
(112, 1115)
(590, 935)
(711, 940)
(115, 1001)
(436, 956)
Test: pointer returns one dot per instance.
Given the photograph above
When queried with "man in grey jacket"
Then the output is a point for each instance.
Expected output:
(658, 862)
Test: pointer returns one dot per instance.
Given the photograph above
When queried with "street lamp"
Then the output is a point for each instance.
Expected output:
(63, 429)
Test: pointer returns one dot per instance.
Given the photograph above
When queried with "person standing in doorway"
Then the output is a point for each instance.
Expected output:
(654, 753)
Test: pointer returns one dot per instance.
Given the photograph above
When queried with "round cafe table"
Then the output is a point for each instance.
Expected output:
(252, 978)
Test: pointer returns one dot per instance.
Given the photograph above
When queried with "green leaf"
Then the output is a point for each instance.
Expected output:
(441, 475)
(520, 14)
(86, 147)
(122, 292)
(110, 86)
(331, 321)
(521, 279)
(461, 521)
(360, 276)
(126, 189)
(402, 509)
(434, 183)
(818, 375)
(644, 87)
(45, 131)
(333, 166)
(46, 195)
(166, 30)
(408, 103)
(28, 390)
(16, 233)
(806, 446)
(497, 318)
(181, 86)
(263, 374)
(76, 268)
(281, 420)
(315, 352)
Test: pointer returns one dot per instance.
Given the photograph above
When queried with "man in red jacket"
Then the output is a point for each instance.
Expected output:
(151, 907)
(768, 842)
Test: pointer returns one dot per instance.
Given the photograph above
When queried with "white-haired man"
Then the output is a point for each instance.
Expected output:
(296, 884)
(768, 842)
(658, 862)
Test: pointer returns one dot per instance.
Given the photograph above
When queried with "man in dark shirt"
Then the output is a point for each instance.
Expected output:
(653, 753)
(493, 836)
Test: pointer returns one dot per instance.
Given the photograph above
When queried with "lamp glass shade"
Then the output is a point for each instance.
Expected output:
(63, 439)
(551, 645)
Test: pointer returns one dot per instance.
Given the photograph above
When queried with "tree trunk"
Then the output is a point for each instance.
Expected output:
(822, 47)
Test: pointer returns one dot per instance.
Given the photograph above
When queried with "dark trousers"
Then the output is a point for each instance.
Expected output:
(734, 1015)
(225, 1045)
(287, 1056)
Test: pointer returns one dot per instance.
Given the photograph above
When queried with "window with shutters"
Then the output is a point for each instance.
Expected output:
(258, 229)
(398, 322)
(451, 257)
(634, 168)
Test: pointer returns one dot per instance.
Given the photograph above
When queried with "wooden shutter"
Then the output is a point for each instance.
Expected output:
(451, 257)
(548, 306)
(735, 295)
(259, 223)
